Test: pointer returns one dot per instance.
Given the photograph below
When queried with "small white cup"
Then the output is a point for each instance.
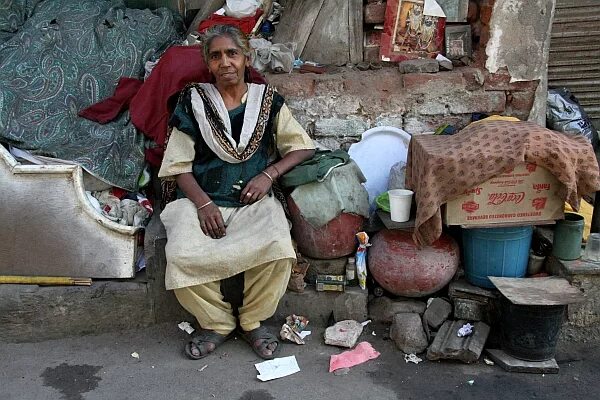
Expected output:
(400, 204)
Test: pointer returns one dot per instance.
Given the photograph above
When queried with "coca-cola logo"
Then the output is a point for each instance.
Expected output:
(496, 199)
(476, 190)
(539, 203)
(538, 187)
(470, 206)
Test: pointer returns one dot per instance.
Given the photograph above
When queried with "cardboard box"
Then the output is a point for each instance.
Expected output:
(526, 194)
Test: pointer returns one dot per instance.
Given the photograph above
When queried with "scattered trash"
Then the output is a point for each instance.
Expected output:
(135, 355)
(277, 368)
(471, 382)
(186, 326)
(373, 333)
(341, 371)
(293, 329)
(412, 358)
(343, 334)
(362, 353)
(367, 322)
(465, 330)
(488, 361)
(203, 368)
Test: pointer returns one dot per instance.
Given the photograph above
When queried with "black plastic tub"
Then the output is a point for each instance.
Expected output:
(530, 333)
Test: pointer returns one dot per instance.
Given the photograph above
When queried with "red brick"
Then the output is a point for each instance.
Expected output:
(371, 53)
(293, 85)
(418, 81)
(386, 80)
(375, 13)
(520, 104)
(373, 38)
(485, 13)
(479, 102)
(501, 81)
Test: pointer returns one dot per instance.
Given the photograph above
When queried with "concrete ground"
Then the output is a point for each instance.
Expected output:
(101, 367)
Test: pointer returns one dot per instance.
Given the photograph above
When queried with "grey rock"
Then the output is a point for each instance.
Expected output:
(471, 310)
(407, 332)
(447, 344)
(383, 309)
(446, 65)
(438, 311)
(351, 304)
(343, 333)
(422, 65)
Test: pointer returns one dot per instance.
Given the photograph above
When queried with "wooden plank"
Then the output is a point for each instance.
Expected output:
(328, 42)
(355, 30)
(297, 22)
(549, 291)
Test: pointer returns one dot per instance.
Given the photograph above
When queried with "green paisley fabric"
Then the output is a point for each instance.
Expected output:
(60, 56)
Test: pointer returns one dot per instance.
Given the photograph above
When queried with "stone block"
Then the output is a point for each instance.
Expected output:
(519, 104)
(375, 13)
(351, 304)
(299, 85)
(474, 78)
(390, 120)
(336, 266)
(511, 364)
(471, 102)
(437, 312)
(383, 309)
(426, 82)
(408, 334)
(371, 53)
(340, 127)
(419, 66)
(343, 333)
(470, 310)
(501, 81)
(447, 344)
(327, 86)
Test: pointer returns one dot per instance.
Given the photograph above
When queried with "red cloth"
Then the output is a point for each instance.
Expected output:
(151, 107)
(245, 24)
(108, 109)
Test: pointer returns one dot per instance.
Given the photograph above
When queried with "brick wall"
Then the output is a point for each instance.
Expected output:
(336, 108)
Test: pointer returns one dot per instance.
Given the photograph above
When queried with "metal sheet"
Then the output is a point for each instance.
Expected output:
(575, 53)
(50, 228)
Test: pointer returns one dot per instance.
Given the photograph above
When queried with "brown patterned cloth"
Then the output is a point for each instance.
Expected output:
(440, 168)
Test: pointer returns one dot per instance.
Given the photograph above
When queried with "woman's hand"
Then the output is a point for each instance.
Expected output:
(211, 221)
(256, 189)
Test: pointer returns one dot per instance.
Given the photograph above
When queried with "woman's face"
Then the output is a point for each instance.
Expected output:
(226, 61)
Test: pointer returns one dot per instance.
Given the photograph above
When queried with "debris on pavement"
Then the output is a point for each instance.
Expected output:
(344, 333)
(412, 358)
(488, 361)
(362, 353)
(341, 371)
(277, 368)
(471, 382)
(203, 368)
(135, 355)
(186, 326)
(465, 330)
(293, 329)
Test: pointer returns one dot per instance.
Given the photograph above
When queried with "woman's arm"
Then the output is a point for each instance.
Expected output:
(211, 220)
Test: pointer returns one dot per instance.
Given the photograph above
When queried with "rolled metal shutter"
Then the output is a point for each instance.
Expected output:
(574, 60)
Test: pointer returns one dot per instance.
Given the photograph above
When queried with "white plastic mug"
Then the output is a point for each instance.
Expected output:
(400, 203)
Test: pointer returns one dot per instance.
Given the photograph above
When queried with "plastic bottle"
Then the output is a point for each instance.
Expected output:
(351, 279)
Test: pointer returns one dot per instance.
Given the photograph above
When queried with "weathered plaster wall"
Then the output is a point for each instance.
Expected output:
(519, 40)
(337, 108)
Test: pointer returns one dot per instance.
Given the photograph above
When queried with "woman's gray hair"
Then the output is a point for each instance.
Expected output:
(230, 31)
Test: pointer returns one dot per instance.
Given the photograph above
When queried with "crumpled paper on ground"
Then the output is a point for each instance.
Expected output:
(465, 330)
(293, 329)
(361, 353)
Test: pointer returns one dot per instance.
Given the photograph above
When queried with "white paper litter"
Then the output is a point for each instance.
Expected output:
(135, 355)
(304, 334)
(412, 358)
(465, 330)
(277, 368)
(185, 326)
(367, 322)
(471, 382)
(488, 361)
(440, 57)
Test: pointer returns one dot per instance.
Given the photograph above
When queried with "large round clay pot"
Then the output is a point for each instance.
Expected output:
(400, 267)
(333, 240)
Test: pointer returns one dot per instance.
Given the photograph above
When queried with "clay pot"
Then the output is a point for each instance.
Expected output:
(405, 270)
(333, 240)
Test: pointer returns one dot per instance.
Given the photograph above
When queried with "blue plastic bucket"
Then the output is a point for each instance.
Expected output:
(495, 252)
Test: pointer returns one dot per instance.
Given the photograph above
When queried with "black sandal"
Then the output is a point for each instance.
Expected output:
(266, 337)
(201, 339)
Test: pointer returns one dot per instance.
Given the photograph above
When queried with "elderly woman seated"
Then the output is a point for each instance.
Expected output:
(229, 143)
